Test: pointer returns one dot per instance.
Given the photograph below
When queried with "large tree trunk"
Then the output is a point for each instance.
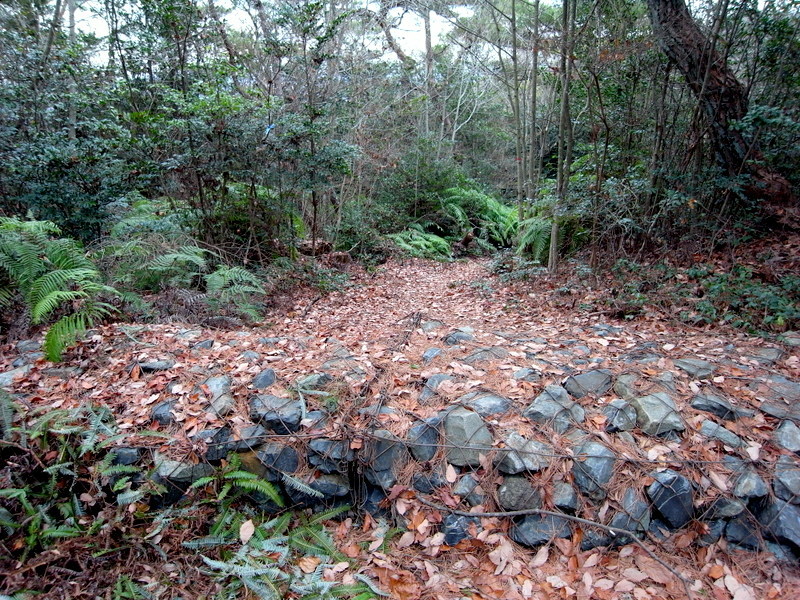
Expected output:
(722, 98)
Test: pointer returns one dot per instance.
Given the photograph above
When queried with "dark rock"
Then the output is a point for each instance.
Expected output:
(457, 528)
(521, 454)
(595, 382)
(767, 356)
(695, 367)
(791, 338)
(426, 483)
(634, 516)
(218, 386)
(715, 530)
(466, 437)
(374, 502)
(264, 379)
(218, 443)
(787, 435)
(719, 407)
(486, 403)
(725, 508)
(555, 407)
(781, 520)
(204, 345)
(529, 375)
(620, 416)
(374, 410)
(469, 489)
(65, 373)
(330, 456)
(537, 530)
(281, 415)
(180, 472)
(156, 365)
(750, 485)
(456, 337)
(125, 456)
(269, 341)
(593, 466)
(278, 458)
(250, 438)
(331, 485)
(718, 432)
(315, 419)
(595, 539)
(433, 382)
(430, 354)
(161, 413)
(743, 531)
(250, 356)
(657, 414)
(625, 386)
(385, 455)
(672, 496)
(486, 355)
(565, 497)
(431, 325)
(518, 493)
(423, 441)
(786, 481)
(27, 359)
(28, 346)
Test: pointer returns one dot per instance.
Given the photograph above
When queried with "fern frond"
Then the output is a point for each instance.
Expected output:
(206, 542)
(66, 254)
(261, 486)
(300, 486)
(7, 411)
(329, 514)
(534, 237)
(46, 305)
(63, 333)
(129, 497)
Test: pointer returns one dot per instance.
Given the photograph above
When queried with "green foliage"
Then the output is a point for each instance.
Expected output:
(51, 275)
(417, 242)
(534, 238)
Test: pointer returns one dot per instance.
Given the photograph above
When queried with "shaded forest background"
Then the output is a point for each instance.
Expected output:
(204, 146)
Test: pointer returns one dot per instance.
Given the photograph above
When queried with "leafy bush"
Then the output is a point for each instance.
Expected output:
(53, 277)
(421, 244)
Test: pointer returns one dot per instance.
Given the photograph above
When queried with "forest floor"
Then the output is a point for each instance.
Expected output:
(372, 335)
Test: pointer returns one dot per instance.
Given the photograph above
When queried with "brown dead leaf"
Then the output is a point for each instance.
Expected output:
(398, 583)
(246, 531)
(308, 564)
(716, 571)
(654, 571)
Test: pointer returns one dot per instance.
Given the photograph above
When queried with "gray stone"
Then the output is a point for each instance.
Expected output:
(125, 456)
(699, 369)
(218, 442)
(725, 508)
(222, 405)
(65, 373)
(529, 375)
(596, 383)
(781, 520)
(315, 381)
(719, 407)
(468, 488)
(565, 497)
(791, 338)
(315, 419)
(750, 485)
(657, 414)
(780, 396)
(456, 337)
(433, 382)
(672, 496)
(269, 341)
(161, 413)
(518, 493)
(427, 483)
(331, 485)
(665, 381)
(430, 354)
(156, 365)
(374, 410)
(786, 482)
(218, 386)
(27, 346)
(537, 530)
(278, 458)
(431, 325)
(767, 356)
(330, 456)
(457, 528)
(7, 378)
(466, 437)
(281, 415)
(250, 356)
(384, 455)
(718, 432)
(625, 386)
(264, 379)
(521, 454)
(743, 531)
(486, 403)
(620, 416)
(423, 441)
(181, 472)
(634, 516)
(555, 407)
(715, 530)
(204, 345)
(486, 355)
(250, 438)
(787, 436)
(27, 359)
(592, 468)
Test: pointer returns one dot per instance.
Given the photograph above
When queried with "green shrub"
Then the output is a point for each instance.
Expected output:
(421, 244)
(53, 277)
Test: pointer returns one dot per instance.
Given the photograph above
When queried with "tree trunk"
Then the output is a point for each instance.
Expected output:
(722, 98)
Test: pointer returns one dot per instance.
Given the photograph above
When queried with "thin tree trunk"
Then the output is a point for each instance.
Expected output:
(722, 97)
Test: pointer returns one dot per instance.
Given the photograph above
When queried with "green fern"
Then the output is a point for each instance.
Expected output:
(7, 411)
(534, 238)
(237, 287)
(419, 243)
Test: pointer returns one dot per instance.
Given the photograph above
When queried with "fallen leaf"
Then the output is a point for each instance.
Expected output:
(246, 531)
(308, 564)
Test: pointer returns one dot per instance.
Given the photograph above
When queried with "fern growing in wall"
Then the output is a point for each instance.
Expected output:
(53, 277)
